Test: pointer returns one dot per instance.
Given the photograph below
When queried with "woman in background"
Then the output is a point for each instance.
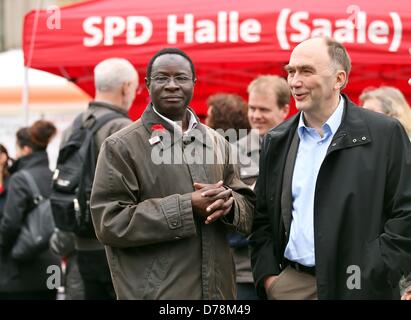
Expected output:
(26, 280)
(391, 102)
(4, 176)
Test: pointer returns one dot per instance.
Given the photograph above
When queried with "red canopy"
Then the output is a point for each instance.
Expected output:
(230, 42)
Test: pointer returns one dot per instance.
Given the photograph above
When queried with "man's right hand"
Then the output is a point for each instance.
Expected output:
(209, 198)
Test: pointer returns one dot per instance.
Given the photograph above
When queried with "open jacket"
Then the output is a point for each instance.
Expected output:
(141, 208)
(362, 207)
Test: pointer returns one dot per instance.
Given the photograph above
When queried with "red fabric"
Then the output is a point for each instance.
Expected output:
(378, 44)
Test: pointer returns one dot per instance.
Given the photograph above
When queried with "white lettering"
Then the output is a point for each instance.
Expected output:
(54, 280)
(346, 31)
(90, 28)
(54, 20)
(206, 32)
(145, 35)
(227, 28)
(113, 27)
(233, 26)
(298, 25)
(323, 28)
(173, 27)
(282, 28)
(354, 280)
(378, 31)
(396, 39)
(222, 26)
(250, 30)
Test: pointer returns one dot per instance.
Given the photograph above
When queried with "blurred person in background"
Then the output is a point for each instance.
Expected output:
(389, 101)
(116, 82)
(227, 111)
(4, 176)
(268, 106)
(26, 280)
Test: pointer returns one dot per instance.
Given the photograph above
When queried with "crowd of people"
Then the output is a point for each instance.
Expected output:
(314, 206)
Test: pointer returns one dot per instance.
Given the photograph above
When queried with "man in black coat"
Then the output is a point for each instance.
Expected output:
(333, 214)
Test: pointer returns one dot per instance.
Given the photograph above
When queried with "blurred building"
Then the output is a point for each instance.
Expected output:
(11, 18)
(49, 96)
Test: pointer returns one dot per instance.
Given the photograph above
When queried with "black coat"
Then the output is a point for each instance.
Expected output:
(362, 211)
(32, 275)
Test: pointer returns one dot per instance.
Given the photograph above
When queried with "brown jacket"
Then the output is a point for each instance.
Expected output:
(142, 212)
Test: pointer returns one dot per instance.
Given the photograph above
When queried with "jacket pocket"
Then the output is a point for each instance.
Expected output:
(271, 288)
(374, 272)
(155, 274)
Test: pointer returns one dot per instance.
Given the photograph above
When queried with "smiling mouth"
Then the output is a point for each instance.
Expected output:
(300, 96)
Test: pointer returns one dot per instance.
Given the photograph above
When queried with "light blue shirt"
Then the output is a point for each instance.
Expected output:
(310, 155)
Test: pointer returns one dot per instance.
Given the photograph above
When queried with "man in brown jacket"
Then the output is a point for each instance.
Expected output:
(165, 195)
(116, 81)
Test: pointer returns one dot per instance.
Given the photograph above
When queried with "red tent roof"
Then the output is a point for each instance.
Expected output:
(230, 42)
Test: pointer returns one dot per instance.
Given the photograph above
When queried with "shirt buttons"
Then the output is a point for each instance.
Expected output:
(354, 140)
(363, 138)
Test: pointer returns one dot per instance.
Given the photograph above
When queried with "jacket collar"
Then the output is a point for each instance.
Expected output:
(37, 158)
(156, 126)
(353, 130)
(106, 105)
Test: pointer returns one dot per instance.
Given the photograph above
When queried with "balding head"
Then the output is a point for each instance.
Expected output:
(317, 71)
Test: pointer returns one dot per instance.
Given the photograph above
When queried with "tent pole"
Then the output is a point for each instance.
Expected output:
(25, 96)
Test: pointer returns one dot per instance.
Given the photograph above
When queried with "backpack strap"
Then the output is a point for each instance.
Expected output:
(101, 121)
(37, 197)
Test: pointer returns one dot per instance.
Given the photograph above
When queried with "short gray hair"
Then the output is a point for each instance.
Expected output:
(110, 74)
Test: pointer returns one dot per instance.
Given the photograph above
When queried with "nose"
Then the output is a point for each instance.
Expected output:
(256, 114)
(295, 81)
(172, 85)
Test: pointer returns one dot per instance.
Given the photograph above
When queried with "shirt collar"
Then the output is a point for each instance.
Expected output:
(330, 126)
(192, 123)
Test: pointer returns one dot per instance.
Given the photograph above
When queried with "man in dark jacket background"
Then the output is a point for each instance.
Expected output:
(333, 214)
(116, 81)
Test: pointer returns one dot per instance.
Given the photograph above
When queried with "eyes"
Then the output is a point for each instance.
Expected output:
(179, 80)
(303, 71)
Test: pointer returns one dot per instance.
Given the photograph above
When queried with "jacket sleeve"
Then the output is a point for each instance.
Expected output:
(17, 203)
(395, 241)
(263, 260)
(244, 197)
(120, 218)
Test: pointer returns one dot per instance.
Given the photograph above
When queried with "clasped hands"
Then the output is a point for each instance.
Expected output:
(211, 201)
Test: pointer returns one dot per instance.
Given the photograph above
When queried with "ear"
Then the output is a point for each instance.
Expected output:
(285, 110)
(26, 150)
(341, 79)
(125, 88)
(147, 84)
